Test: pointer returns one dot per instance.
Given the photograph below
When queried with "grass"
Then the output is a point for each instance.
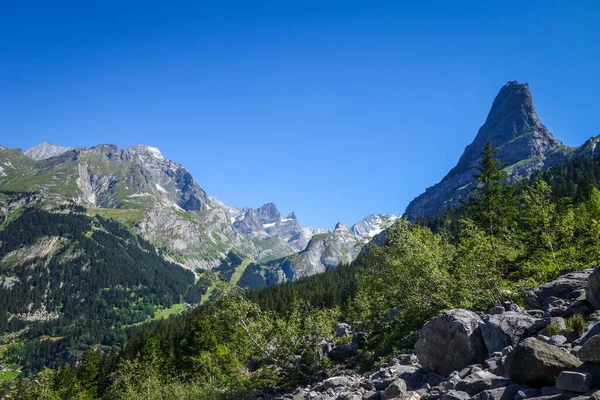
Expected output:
(239, 271)
(7, 376)
(162, 314)
(206, 296)
(129, 217)
(9, 218)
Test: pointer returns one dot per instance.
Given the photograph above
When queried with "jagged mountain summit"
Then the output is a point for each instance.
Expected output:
(524, 146)
(45, 150)
(324, 251)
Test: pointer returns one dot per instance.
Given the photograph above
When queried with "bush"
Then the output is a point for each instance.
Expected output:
(577, 324)
(553, 329)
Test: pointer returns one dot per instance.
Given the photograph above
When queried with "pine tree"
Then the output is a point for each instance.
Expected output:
(488, 205)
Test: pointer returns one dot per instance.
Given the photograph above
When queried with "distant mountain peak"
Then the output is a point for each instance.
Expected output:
(524, 145)
(45, 150)
(149, 150)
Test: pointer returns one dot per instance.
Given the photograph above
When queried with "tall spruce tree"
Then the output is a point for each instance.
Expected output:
(488, 205)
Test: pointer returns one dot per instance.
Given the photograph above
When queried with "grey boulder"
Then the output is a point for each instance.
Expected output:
(590, 351)
(506, 329)
(574, 381)
(451, 341)
(538, 364)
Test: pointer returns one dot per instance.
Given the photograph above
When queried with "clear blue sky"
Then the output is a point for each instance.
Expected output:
(334, 109)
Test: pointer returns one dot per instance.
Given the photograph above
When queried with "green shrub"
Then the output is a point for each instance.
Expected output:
(343, 339)
(553, 329)
(577, 324)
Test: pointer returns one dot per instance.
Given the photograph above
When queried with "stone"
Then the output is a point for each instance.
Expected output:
(593, 370)
(536, 313)
(455, 395)
(342, 329)
(557, 340)
(340, 381)
(476, 382)
(395, 389)
(506, 329)
(451, 341)
(341, 352)
(497, 310)
(591, 331)
(491, 394)
(567, 287)
(574, 381)
(592, 292)
(590, 350)
(527, 393)
(538, 364)
(359, 341)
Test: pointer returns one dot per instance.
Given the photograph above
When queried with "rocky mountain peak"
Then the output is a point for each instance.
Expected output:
(372, 225)
(45, 150)
(143, 149)
(340, 227)
(524, 145)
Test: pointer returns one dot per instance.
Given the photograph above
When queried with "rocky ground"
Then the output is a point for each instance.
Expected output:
(510, 353)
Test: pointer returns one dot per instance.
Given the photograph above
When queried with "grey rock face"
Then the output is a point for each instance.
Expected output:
(506, 329)
(373, 225)
(592, 293)
(45, 150)
(538, 364)
(574, 381)
(451, 341)
(525, 145)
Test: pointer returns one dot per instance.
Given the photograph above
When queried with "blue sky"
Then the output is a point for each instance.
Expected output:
(334, 109)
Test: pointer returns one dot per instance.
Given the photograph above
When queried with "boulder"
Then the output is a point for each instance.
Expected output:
(451, 341)
(342, 329)
(592, 293)
(476, 382)
(538, 364)
(506, 329)
(591, 331)
(394, 390)
(341, 352)
(455, 395)
(567, 287)
(593, 370)
(557, 340)
(526, 393)
(590, 351)
(574, 381)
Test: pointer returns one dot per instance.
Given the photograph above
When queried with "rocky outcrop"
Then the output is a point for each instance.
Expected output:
(556, 293)
(451, 341)
(462, 346)
(524, 143)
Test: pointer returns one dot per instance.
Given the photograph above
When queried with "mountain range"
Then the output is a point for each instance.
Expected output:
(159, 200)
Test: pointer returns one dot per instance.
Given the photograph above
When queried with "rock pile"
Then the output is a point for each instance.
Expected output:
(503, 355)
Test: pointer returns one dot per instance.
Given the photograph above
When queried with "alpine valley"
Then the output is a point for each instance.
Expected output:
(95, 242)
